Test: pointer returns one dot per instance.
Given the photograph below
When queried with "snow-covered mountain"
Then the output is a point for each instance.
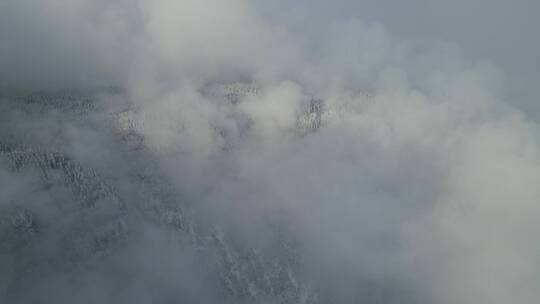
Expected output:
(72, 219)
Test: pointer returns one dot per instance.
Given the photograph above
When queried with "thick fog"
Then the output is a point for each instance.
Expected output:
(269, 152)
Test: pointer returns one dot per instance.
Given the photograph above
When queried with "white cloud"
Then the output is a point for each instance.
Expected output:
(421, 176)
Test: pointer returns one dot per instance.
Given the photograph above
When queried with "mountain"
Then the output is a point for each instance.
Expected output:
(112, 227)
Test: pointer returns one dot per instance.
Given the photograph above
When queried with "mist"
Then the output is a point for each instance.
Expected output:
(254, 152)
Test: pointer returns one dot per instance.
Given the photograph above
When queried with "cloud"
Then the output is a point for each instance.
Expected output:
(395, 145)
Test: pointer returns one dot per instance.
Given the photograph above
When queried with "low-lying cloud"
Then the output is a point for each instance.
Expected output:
(348, 152)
